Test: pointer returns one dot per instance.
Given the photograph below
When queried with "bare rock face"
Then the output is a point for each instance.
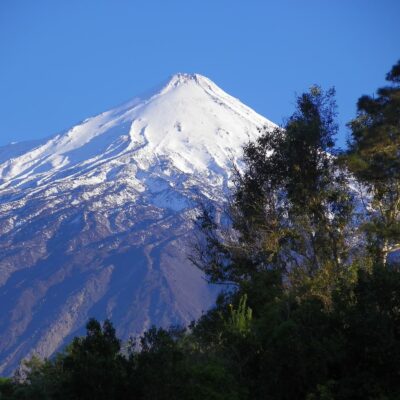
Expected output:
(98, 221)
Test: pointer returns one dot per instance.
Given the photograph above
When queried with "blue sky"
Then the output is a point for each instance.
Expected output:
(64, 60)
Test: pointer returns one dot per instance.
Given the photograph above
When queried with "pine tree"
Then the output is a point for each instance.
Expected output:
(374, 160)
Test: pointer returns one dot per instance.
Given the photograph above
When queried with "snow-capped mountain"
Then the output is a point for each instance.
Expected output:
(97, 221)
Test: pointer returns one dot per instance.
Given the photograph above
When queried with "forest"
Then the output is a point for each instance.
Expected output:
(307, 253)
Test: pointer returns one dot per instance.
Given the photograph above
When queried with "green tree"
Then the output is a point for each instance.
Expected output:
(292, 208)
(168, 367)
(374, 159)
(93, 366)
(7, 388)
(366, 317)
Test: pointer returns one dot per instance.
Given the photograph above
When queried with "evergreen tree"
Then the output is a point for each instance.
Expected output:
(374, 160)
(93, 366)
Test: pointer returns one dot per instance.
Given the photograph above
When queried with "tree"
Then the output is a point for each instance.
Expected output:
(319, 203)
(7, 388)
(291, 210)
(167, 367)
(367, 319)
(93, 365)
(374, 159)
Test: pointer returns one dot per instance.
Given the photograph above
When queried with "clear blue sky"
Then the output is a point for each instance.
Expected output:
(64, 60)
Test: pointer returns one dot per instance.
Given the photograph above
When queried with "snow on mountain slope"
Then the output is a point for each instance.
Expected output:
(190, 119)
(97, 221)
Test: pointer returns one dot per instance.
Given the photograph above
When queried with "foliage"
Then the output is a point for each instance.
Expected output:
(240, 319)
(292, 209)
(373, 157)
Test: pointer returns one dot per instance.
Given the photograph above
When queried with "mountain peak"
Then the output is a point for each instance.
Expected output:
(190, 121)
(182, 79)
(96, 221)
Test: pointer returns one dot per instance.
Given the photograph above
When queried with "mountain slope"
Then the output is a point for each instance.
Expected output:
(97, 221)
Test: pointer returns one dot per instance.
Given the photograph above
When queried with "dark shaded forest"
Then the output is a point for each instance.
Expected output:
(307, 253)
